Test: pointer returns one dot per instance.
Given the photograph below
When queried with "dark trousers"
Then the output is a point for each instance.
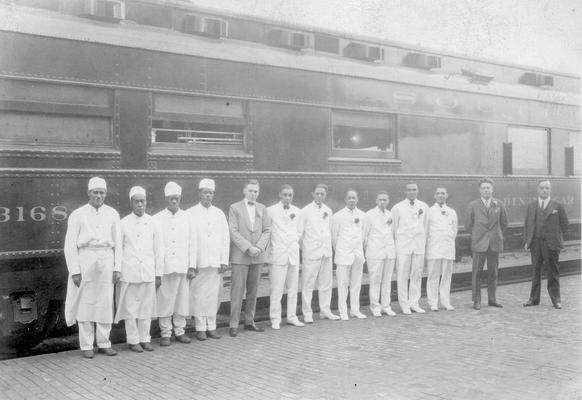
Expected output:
(540, 254)
(244, 276)
(479, 258)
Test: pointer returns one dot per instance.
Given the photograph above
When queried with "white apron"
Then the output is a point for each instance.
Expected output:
(205, 292)
(92, 301)
(173, 296)
(136, 301)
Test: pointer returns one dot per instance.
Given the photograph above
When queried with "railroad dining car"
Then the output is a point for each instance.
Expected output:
(143, 92)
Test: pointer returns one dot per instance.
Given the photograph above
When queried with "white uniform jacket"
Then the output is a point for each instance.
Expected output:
(176, 233)
(89, 227)
(286, 227)
(410, 223)
(212, 237)
(347, 232)
(441, 233)
(143, 249)
(378, 235)
(316, 231)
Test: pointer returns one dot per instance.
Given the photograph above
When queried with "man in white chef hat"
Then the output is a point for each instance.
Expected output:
(141, 272)
(212, 238)
(172, 295)
(93, 253)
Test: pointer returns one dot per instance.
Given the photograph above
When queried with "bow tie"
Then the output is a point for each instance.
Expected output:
(251, 203)
(286, 207)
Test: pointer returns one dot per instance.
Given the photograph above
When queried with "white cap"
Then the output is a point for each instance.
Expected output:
(96, 183)
(136, 190)
(172, 189)
(207, 184)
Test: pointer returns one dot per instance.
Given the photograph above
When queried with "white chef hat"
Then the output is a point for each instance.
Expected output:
(136, 190)
(96, 183)
(207, 184)
(172, 189)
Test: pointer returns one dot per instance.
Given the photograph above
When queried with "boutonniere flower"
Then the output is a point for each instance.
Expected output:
(356, 220)
(555, 212)
(389, 221)
(325, 214)
(292, 216)
(420, 212)
(443, 212)
(493, 203)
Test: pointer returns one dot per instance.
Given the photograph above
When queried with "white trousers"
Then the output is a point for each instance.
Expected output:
(380, 273)
(205, 323)
(87, 332)
(349, 276)
(283, 277)
(439, 268)
(138, 330)
(322, 271)
(179, 325)
(409, 266)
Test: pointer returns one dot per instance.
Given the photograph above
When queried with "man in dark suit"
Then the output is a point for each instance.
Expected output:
(486, 220)
(545, 224)
(250, 233)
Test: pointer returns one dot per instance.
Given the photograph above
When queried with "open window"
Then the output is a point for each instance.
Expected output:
(197, 125)
(363, 135)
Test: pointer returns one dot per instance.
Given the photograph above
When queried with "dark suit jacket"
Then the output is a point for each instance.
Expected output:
(555, 224)
(242, 237)
(486, 226)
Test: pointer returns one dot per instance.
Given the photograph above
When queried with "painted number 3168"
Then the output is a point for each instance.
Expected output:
(36, 214)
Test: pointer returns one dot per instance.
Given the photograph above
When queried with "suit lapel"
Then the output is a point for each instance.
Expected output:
(245, 213)
(549, 209)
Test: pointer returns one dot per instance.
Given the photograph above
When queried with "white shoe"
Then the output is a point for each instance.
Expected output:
(330, 316)
(406, 311)
(434, 308)
(276, 325)
(417, 310)
(308, 319)
(358, 315)
(344, 317)
(449, 307)
(376, 313)
(295, 322)
(388, 311)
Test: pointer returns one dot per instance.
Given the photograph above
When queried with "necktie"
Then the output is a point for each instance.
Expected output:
(412, 202)
(285, 207)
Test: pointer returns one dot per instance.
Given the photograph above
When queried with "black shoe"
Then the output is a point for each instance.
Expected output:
(213, 335)
(183, 339)
(494, 304)
(233, 332)
(477, 306)
(201, 335)
(147, 346)
(108, 351)
(558, 305)
(530, 303)
(87, 353)
(254, 328)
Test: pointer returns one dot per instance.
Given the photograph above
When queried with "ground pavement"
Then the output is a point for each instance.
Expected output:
(510, 353)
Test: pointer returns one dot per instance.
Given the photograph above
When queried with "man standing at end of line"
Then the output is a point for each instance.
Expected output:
(410, 223)
(486, 220)
(284, 257)
(92, 252)
(172, 295)
(250, 234)
(545, 224)
(380, 254)
(141, 272)
(440, 251)
(316, 255)
(348, 241)
(212, 242)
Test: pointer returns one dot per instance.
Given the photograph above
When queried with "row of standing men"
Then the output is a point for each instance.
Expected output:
(169, 266)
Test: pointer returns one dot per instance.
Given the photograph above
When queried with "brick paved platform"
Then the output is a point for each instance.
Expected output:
(510, 353)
